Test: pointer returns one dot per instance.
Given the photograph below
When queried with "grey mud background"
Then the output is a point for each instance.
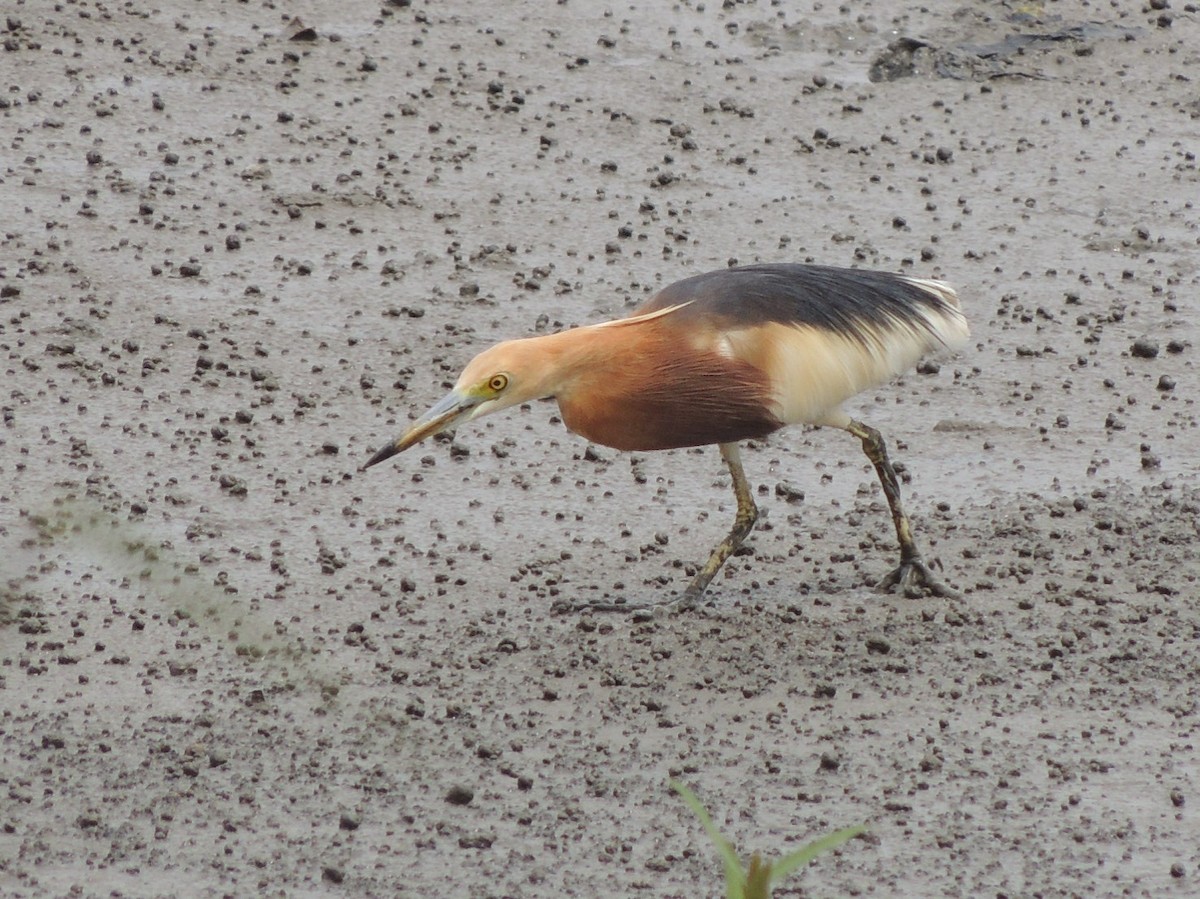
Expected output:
(234, 263)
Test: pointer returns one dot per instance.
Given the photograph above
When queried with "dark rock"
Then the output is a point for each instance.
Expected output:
(1144, 348)
(476, 841)
(789, 492)
(830, 761)
(296, 30)
(878, 645)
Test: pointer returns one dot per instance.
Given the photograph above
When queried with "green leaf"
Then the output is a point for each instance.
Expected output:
(758, 878)
(806, 854)
(735, 875)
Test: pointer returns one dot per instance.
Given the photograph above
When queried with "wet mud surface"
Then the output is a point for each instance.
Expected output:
(240, 252)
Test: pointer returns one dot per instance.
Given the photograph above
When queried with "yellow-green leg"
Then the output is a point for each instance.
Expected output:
(743, 524)
(913, 576)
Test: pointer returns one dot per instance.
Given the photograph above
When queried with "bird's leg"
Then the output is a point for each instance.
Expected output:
(743, 523)
(913, 576)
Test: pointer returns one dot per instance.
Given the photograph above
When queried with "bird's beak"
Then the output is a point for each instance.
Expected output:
(453, 408)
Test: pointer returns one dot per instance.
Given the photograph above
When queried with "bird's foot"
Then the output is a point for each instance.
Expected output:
(638, 611)
(645, 611)
(915, 580)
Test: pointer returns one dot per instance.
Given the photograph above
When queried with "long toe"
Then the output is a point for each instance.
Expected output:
(915, 581)
(644, 611)
(638, 611)
(690, 599)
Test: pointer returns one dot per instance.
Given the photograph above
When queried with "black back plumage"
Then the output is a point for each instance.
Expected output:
(854, 303)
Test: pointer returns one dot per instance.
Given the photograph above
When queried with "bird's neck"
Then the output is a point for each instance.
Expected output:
(585, 355)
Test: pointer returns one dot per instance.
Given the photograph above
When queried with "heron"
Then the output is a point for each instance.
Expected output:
(719, 358)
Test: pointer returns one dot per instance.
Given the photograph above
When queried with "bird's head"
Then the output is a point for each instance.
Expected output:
(509, 373)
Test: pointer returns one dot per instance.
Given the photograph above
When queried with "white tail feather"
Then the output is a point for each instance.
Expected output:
(948, 324)
(814, 371)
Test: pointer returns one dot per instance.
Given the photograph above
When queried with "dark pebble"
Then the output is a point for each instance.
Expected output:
(233, 484)
(1144, 348)
(298, 31)
(878, 645)
(460, 795)
(789, 492)
(476, 841)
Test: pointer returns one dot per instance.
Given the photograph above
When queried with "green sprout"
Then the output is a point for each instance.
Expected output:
(754, 881)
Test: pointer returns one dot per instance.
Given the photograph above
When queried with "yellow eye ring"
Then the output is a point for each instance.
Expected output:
(498, 383)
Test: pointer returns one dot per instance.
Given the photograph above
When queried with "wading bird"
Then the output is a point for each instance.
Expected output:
(722, 357)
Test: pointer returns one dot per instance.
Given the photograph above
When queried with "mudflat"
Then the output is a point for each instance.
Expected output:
(244, 243)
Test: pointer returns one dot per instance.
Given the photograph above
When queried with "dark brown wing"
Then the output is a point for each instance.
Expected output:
(854, 303)
(663, 393)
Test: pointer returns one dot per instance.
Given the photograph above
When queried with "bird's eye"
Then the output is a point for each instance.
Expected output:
(498, 383)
